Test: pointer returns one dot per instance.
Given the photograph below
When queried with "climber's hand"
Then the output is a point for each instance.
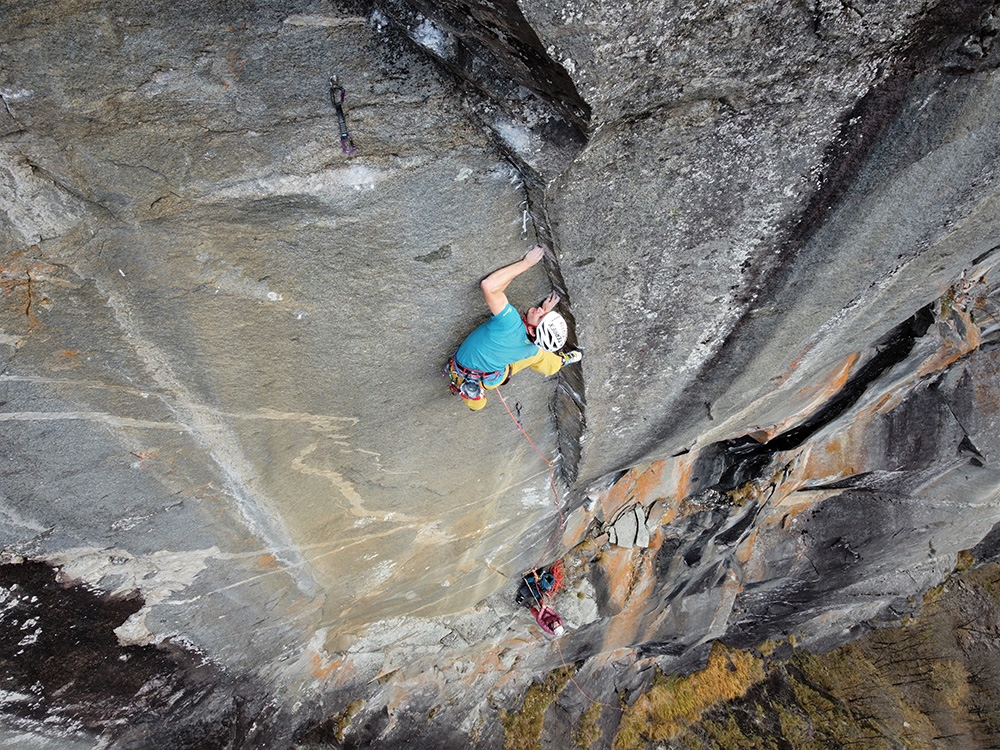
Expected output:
(534, 255)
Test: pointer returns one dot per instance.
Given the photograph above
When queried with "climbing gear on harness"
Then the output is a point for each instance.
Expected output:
(470, 374)
(466, 382)
(551, 332)
(346, 144)
(569, 358)
(471, 390)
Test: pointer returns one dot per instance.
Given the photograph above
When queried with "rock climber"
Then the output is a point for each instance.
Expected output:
(507, 343)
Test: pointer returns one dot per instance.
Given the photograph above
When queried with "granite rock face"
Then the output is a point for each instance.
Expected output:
(221, 337)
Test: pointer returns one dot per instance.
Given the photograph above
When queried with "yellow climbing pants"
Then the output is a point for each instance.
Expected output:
(547, 363)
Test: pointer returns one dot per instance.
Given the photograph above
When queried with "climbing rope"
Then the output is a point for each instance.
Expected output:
(550, 464)
(540, 600)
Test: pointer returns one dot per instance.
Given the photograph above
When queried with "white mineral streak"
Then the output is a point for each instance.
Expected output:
(325, 183)
(516, 135)
(218, 438)
(432, 38)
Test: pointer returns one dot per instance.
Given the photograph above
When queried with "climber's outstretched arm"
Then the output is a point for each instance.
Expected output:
(496, 283)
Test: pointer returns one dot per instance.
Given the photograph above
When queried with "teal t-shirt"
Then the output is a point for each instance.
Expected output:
(500, 341)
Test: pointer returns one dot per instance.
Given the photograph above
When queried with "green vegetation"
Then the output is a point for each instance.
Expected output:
(589, 731)
(674, 702)
(523, 729)
(930, 683)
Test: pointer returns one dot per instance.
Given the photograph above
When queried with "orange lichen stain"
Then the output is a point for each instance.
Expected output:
(489, 664)
(66, 359)
(826, 460)
(640, 483)
(626, 626)
(683, 469)
(793, 365)
(647, 484)
(836, 380)
(321, 669)
(619, 493)
(631, 580)
(745, 549)
(955, 343)
(810, 398)
(838, 457)
(619, 566)
(236, 65)
(199, 492)
(144, 456)
(661, 513)
(23, 278)
(784, 515)
(887, 403)
(268, 562)
(785, 512)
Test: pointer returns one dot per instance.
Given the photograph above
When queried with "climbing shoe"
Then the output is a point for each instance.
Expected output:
(569, 358)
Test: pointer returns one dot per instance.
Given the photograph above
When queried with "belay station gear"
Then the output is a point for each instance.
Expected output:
(538, 587)
(535, 588)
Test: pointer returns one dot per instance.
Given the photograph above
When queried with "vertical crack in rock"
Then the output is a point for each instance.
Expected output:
(540, 122)
(569, 402)
(862, 131)
(493, 48)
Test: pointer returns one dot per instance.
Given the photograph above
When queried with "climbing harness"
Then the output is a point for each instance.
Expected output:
(346, 144)
(466, 382)
(470, 374)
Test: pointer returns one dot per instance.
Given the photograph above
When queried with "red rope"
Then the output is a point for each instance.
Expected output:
(552, 543)
(552, 479)
(550, 464)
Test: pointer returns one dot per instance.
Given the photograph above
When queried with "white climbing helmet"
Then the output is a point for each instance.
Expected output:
(550, 334)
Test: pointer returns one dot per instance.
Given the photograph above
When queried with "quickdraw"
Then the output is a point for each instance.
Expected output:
(345, 138)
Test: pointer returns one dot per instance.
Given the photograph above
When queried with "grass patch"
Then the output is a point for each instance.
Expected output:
(672, 703)
(523, 729)
(589, 731)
